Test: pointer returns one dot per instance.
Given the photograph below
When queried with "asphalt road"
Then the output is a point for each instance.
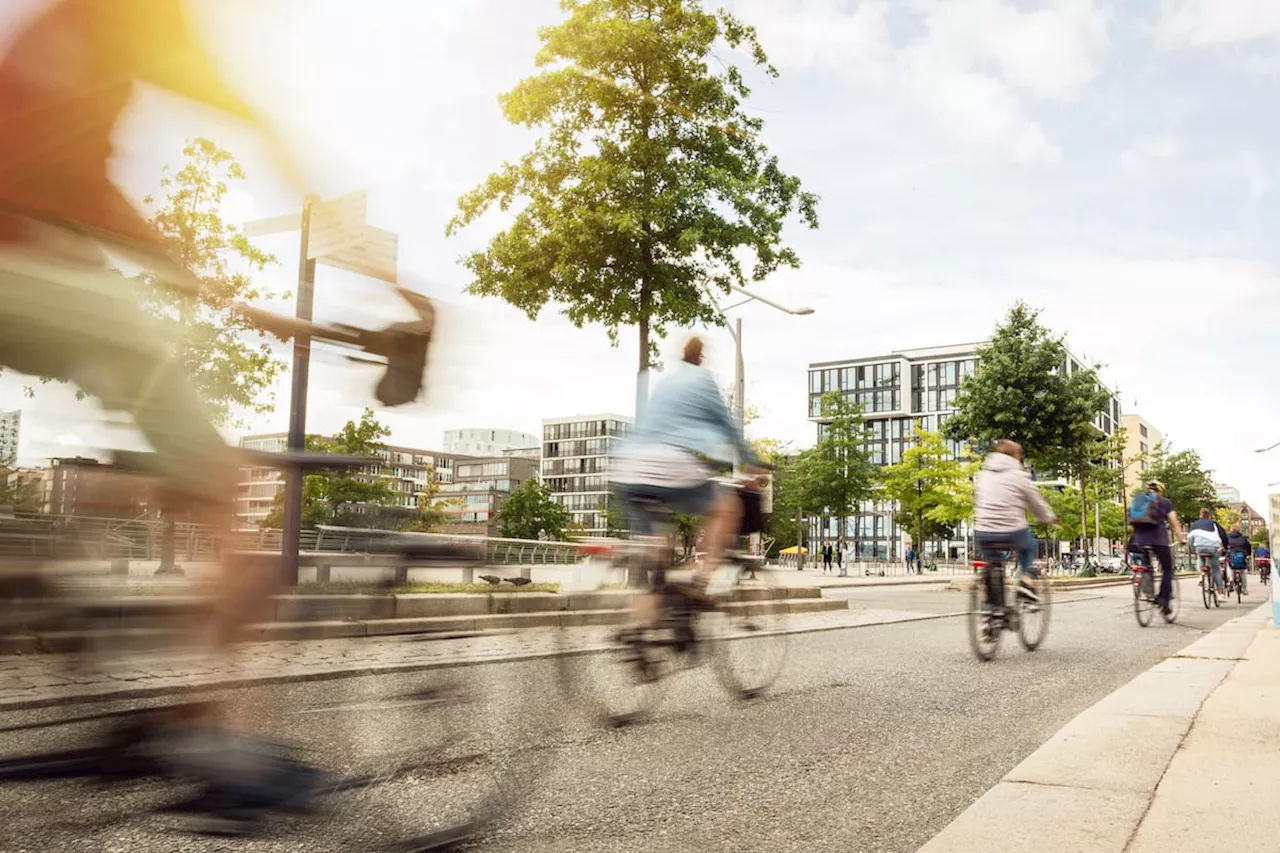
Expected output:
(873, 740)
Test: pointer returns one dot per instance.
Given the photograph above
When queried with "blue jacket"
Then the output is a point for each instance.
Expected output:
(686, 410)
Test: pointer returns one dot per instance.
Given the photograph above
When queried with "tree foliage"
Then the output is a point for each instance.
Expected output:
(19, 494)
(1187, 483)
(649, 185)
(836, 475)
(1021, 390)
(1100, 512)
(530, 512)
(933, 490)
(1260, 536)
(228, 368)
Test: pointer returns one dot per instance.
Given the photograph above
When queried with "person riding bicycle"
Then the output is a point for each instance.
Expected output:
(1262, 559)
(1208, 537)
(1153, 519)
(685, 421)
(64, 82)
(1003, 493)
(1239, 551)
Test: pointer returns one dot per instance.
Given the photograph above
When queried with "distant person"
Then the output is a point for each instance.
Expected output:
(840, 555)
(910, 557)
(827, 556)
(1239, 550)
(1207, 537)
(1154, 519)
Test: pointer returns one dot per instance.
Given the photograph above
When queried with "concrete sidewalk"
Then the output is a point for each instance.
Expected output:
(833, 580)
(1174, 760)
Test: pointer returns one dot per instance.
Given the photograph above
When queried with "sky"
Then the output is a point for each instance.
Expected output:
(1113, 164)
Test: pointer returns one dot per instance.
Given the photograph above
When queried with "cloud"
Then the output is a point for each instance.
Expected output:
(1145, 156)
(824, 34)
(1255, 175)
(1216, 23)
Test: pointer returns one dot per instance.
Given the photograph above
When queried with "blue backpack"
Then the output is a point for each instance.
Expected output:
(1237, 560)
(1142, 512)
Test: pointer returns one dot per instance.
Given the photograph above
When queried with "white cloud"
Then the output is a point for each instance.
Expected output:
(1255, 175)
(824, 34)
(1216, 23)
(1145, 156)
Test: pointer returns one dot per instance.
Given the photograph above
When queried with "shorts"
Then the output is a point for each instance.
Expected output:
(85, 325)
(687, 500)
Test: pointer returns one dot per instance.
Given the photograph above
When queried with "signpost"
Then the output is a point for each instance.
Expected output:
(333, 233)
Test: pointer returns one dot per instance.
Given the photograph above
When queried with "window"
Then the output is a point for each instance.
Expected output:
(1142, 448)
(1142, 429)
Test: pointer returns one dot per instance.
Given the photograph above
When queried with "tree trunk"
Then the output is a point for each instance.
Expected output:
(799, 538)
(168, 543)
(1084, 517)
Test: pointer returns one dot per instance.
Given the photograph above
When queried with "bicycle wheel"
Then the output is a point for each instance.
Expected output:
(1205, 592)
(1143, 606)
(1175, 602)
(746, 635)
(984, 627)
(1033, 616)
(1239, 589)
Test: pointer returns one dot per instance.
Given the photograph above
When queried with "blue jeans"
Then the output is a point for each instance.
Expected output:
(1024, 540)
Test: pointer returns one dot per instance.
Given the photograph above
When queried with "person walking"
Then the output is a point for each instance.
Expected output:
(840, 559)
(826, 556)
(911, 557)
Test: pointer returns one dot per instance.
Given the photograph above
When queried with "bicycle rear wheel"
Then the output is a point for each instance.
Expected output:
(746, 635)
(1175, 601)
(1143, 605)
(1033, 616)
(984, 626)
(1239, 588)
(1205, 592)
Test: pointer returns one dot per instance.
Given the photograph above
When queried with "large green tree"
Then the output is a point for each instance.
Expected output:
(1187, 483)
(18, 494)
(531, 512)
(835, 474)
(649, 188)
(1022, 390)
(932, 489)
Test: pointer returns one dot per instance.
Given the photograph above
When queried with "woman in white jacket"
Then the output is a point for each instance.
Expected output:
(1003, 493)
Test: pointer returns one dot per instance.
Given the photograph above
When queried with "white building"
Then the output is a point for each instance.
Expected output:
(897, 392)
(1227, 494)
(576, 454)
(486, 442)
(10, 427)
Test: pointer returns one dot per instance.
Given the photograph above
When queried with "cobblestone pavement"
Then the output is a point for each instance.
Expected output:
(38, 680)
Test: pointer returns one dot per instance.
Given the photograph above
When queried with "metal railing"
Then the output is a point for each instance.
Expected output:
(54, 537)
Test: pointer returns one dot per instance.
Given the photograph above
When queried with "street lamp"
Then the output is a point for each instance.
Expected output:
(739, 380)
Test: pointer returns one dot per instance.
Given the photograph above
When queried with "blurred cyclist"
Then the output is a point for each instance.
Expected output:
(1003, 494)
(63, 84)
(685, 421)
(1207, 537)
(1239, 551)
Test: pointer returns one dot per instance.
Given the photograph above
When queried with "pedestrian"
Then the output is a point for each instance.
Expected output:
(911, 557)
(826, 556)
(840, 559)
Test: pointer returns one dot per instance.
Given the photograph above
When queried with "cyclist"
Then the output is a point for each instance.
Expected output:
(1239, 550)
(64, 82)
(685, 421)
(1207, 537)
(1003, 493)
(1262, 559)
(1152, 534)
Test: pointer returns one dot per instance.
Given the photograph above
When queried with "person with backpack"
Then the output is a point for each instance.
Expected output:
(1206, 536)
(1239, 550)
(1153, 517)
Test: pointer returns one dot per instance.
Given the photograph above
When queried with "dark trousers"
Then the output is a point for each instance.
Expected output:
(1164, 554)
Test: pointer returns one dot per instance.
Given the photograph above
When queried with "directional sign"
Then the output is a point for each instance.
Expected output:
(375, 256)
(273, 225)
(337, 224)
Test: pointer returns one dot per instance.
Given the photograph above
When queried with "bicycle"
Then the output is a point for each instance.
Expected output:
(414, 745)
(1238, 577)
(990, 611)
(1145, 600)
(741, 634)
(1208, 591)
(1264, 569)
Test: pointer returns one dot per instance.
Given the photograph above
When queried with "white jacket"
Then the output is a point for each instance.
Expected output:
(1003, 492)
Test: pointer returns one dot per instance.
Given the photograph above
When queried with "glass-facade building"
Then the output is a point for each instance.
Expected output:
(898, 392)
(575, 464)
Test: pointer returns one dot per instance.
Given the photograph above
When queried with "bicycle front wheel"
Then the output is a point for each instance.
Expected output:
(1033, 615)
(984, 628)
(747, 633)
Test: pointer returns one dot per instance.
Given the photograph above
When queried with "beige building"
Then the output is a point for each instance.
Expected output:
(1140, 438)
(1274, 524)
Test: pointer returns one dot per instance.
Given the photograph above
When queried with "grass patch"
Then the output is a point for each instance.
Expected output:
(366, 588)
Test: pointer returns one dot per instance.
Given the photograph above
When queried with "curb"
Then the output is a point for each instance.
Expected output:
(1091, 784)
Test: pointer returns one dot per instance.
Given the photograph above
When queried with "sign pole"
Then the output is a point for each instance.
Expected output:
(298, 403)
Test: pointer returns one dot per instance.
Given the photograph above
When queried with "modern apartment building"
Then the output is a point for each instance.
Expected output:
(10, 427)
(486, 442)
(479, 487)
(85, 487)
(409, 472)
(576, 453)
(1140, 438)
(1226, 493)
(899, 391)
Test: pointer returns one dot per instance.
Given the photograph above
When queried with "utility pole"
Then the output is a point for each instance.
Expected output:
(298, 400)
